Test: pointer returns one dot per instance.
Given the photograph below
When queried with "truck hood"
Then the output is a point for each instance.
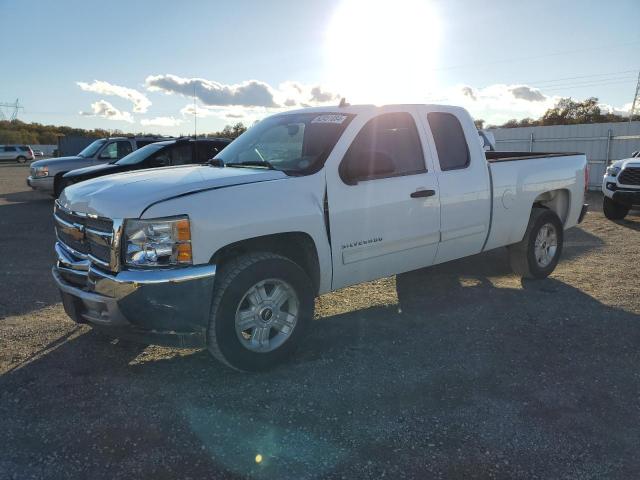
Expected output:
(55, 161)
(95, 170)
(625, 162)
(127, 195)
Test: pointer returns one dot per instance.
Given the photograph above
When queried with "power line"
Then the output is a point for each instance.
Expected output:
(636, 99)
(15, 106)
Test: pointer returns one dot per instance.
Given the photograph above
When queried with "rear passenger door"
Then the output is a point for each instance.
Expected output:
(464, 183)
(387, 221)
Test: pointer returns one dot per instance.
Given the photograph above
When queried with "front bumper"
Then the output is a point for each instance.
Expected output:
(164, 307)
(43, 184)
(627, 197)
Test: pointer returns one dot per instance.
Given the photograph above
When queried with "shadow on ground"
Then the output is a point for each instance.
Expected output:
(469, 380)
(26, 238)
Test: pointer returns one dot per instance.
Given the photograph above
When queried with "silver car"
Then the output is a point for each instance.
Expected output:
(46, 175)
(16, 153)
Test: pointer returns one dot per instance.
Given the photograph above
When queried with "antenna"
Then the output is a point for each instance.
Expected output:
(636, 100)
(195, 113)
(15, 106)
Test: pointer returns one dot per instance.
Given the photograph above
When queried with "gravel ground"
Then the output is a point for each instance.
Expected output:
(461, 370)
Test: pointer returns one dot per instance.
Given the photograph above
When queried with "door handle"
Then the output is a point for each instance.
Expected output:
(423, 193)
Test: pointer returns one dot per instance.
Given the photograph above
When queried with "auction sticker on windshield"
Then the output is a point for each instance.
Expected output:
(329, 119)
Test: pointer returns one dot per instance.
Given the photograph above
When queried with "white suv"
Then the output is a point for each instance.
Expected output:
(18, 153)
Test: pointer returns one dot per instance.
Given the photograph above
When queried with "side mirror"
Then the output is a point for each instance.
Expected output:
(365, 165)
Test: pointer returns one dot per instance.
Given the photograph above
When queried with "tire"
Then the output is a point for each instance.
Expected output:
(269, 339)
(528, 261)
(614, 210)
(21, 159)
(58, 185)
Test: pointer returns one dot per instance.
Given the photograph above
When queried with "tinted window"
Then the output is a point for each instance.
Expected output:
(141, 154)
(124, 149)
(182, 154)
(9, 149)
(207, 150)
(387, 146)
(24, 148)
(451, 144)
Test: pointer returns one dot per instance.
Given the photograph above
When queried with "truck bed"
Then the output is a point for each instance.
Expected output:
(494, 157)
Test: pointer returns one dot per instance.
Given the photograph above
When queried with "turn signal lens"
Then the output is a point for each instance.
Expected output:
(183, 230)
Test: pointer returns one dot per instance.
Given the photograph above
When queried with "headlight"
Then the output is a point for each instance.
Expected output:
(160, 242)
(41, 171)
(613, 171)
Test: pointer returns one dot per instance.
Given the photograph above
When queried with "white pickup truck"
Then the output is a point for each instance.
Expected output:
(621, 187)
(232, 254)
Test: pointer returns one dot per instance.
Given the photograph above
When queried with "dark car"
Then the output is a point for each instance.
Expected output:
(182, 151)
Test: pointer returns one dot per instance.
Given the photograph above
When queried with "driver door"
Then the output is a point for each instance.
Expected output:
(387, 219)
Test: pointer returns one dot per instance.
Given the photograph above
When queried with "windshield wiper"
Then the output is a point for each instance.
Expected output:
(252, 163)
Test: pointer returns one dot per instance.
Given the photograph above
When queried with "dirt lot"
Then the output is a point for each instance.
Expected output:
(458, 371)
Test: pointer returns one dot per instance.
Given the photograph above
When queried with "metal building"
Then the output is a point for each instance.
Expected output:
(601, 142)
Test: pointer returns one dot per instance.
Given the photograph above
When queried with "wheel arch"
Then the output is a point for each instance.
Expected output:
(558, 201)
(299, 247)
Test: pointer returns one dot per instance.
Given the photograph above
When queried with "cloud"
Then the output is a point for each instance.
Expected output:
(161, 122)
(322, 96)
(498, 103)
(250, 93)
(527, 93)
(140, 102)
(104, 109)
(468, 92)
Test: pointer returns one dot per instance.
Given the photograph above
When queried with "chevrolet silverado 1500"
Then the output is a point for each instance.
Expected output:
(231, 255)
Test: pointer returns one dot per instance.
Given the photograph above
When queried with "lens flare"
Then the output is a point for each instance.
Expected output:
(383, 52)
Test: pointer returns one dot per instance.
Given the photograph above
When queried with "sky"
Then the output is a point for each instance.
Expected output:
(146, 66)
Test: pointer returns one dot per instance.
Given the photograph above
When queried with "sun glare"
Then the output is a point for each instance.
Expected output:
(383, 52)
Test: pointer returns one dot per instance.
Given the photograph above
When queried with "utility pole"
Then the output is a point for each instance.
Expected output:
(195, 114)
(636, 100)
(15, 106)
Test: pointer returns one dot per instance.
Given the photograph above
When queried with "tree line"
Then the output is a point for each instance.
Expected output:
(18, 132)
(565, 112)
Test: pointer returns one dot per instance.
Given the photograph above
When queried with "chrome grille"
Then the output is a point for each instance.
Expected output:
(87, 237)
(630, 176)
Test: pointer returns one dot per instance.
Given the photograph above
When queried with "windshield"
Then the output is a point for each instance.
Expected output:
(294, 143)
(92, 148)
(140, 155)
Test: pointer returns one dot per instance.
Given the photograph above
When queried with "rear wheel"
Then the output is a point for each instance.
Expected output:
(614, 210)
(21, 159)
(263, 304)
(537, 255)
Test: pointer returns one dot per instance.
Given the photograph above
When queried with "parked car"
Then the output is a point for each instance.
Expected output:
(183, 151)
(621, 187)
(231, 255)
(38, 153)
(17, 153)
(46, 173)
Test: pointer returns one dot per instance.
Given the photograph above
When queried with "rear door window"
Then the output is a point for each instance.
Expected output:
(451, 144)
(124, 148)
(10, 149)
(182, 154)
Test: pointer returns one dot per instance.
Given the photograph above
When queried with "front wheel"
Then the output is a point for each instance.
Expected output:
(262, 306)
(537, 254)
(614, 210)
